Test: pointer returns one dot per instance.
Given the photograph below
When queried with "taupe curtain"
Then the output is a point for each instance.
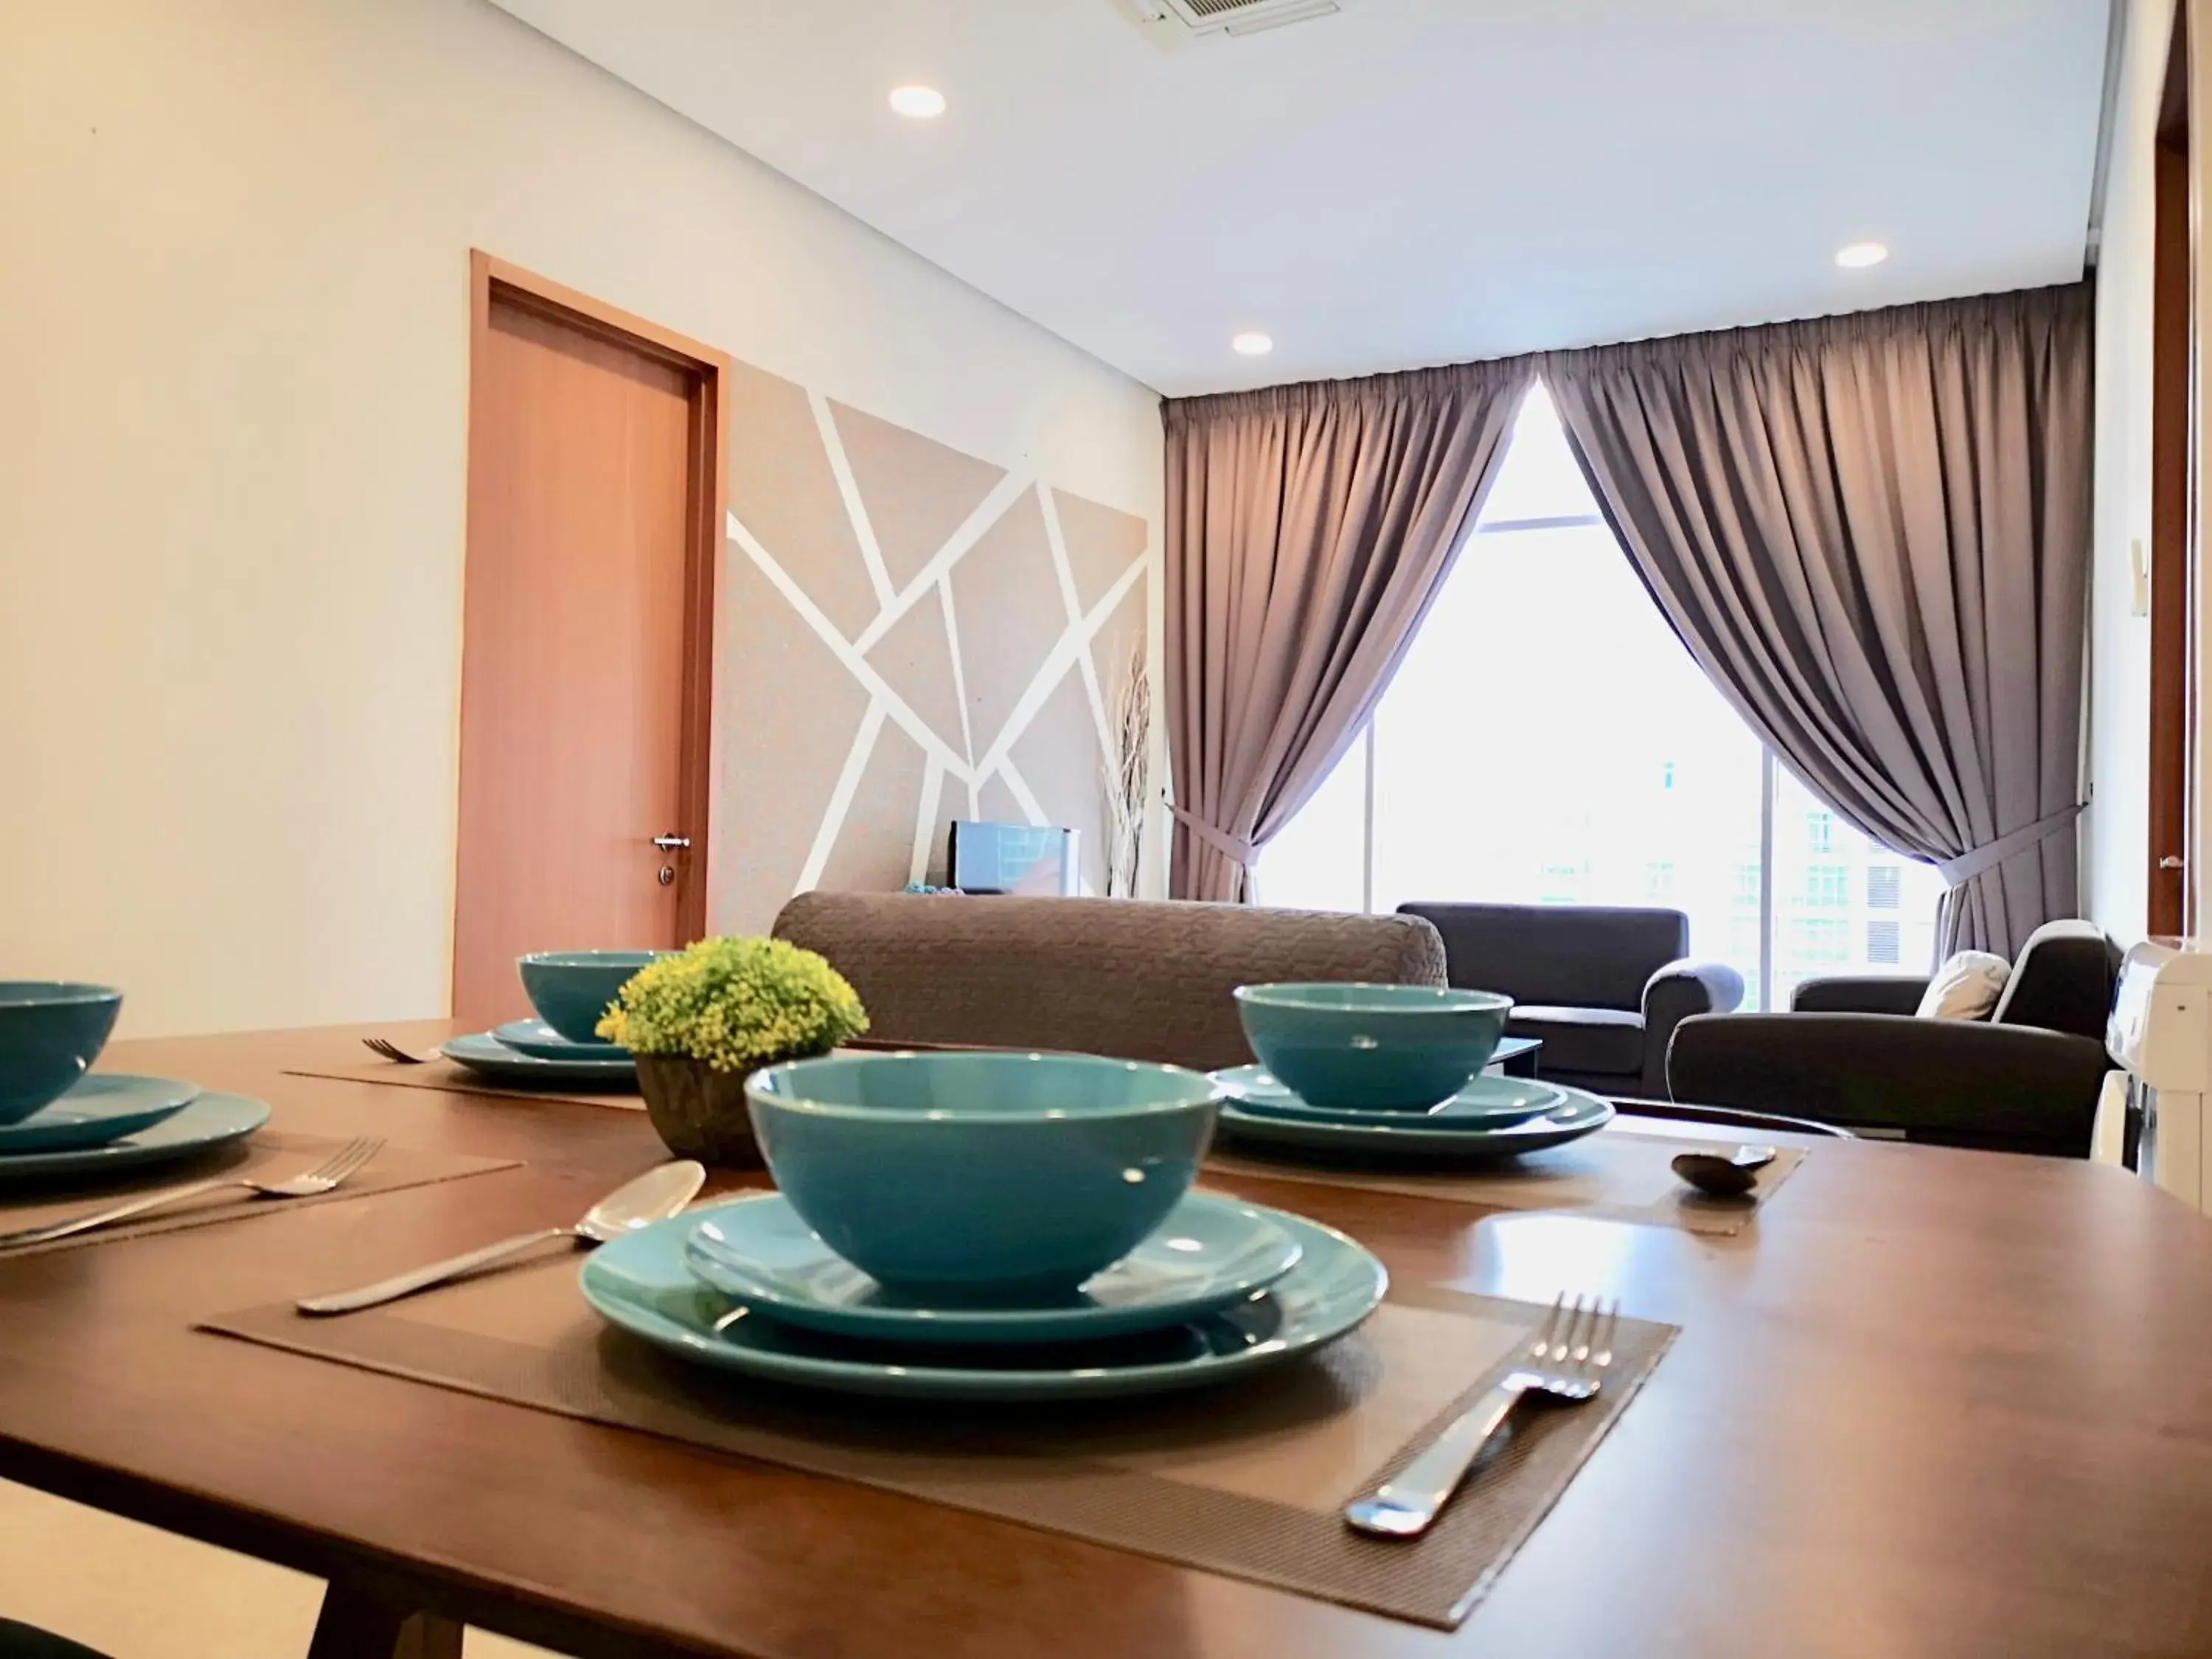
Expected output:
(1872, 533)
(1309, 528)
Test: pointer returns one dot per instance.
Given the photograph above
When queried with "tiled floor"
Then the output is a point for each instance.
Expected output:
(138, 1594)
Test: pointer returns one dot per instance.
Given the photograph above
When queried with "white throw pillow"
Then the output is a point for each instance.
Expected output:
(1966, 986)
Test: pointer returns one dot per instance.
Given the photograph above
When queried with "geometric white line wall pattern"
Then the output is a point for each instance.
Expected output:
(915, 635)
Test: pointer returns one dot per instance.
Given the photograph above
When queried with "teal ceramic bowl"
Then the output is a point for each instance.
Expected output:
(570, 989)
(1375, 1048)
(981, 1177)
(51, 1031)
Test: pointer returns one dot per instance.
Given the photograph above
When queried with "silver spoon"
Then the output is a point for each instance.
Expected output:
(654, 1196)
(1724, 1175)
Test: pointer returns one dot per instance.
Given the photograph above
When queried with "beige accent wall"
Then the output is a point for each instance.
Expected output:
(233, 335)
(911, 634)
(2116, 828)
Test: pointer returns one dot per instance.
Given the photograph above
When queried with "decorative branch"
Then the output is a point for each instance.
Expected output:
(1126, 767)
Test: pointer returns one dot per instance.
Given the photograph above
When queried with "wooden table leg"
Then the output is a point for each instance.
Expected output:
(358, 1623)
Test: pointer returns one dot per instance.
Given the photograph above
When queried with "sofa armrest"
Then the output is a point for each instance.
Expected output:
(1861, 993)
(1672, 996)
(1958, 1083)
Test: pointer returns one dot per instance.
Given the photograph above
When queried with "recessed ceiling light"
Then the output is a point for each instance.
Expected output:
(1252, 344)
(918, 102)
(1859, 255)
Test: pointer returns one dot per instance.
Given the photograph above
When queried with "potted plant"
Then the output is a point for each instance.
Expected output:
(702, 1020)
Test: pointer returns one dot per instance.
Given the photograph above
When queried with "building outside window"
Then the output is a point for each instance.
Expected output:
(1916, 889)
(1820, 942)
(1750, 882)
(1562, 883)
(1743, 943)
(1609, 791)
(1882, 943)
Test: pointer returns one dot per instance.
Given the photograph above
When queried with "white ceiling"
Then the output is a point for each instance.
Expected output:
(1409, 181)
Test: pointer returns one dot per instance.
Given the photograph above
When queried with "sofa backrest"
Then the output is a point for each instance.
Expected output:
(2062, 981)
(1572, 955)
(1131, 978)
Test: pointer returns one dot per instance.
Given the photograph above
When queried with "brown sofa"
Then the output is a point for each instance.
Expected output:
(1127, 977)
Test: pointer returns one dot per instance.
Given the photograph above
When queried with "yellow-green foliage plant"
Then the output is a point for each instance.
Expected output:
(737, 1004)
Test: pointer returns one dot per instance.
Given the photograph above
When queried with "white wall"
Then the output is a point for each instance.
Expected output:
(233, 241)
(2116, 828)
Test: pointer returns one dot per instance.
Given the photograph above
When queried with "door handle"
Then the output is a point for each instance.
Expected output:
(2171, 861)
(672, 843)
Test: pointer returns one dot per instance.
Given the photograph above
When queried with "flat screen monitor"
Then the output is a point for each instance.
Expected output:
(1013, 858)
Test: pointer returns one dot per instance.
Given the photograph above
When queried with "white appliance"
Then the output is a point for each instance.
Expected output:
(2160, 1030)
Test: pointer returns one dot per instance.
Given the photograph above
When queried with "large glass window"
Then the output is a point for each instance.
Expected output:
(1547, 740)
(1867, 910)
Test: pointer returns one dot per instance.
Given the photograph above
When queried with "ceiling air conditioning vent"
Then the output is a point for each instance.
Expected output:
(1233, 16)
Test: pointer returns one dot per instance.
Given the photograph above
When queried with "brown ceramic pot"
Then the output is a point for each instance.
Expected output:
(699, 1111)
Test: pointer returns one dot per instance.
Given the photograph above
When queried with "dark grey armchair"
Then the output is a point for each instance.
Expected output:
(1602, 987)
(1850, 1051)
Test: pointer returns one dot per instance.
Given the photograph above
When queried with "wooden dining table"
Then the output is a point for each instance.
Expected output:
(1930, 1402)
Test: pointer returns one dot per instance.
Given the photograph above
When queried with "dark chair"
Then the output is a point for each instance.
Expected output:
(1602, 988)
(1850, 1051)
(27, 1641)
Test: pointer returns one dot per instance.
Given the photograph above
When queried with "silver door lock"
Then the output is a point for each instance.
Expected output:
(667, 875)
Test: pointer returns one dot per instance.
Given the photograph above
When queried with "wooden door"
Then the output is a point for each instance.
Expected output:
(2173, 487)
(595, 496)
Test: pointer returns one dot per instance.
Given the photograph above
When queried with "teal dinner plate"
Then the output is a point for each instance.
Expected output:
(102, 1107)
(209, 1121)
(535, 1037)
(1210, 1252)
(1486, 1102)
(640, 1283)
(486, 1054)
(1581, 1115)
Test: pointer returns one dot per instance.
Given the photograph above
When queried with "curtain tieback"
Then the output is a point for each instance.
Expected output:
(1221, 840)
(1964, 868)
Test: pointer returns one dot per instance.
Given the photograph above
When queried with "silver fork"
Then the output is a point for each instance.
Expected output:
(324, 1175)
(390, 1050)
(1566, 1364)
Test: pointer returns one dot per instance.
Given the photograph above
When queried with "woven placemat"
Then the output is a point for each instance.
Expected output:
(1614, 1174)
(443, 1074)
(272, 1154)
(1248, 1478)
(449, 1078)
